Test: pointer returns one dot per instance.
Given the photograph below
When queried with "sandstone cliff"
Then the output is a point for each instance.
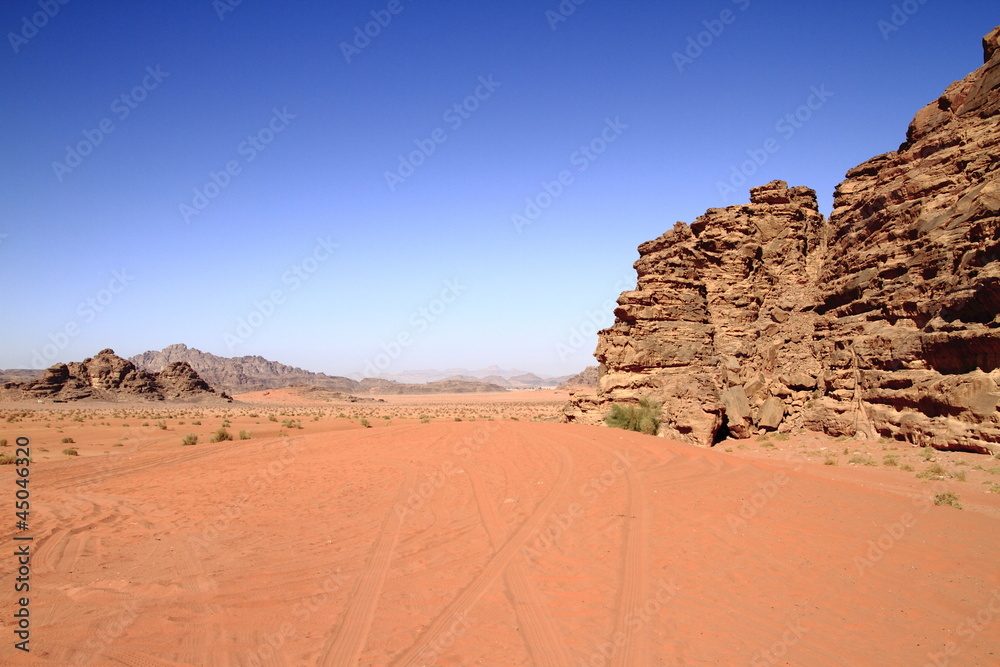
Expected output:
(881, 321)
(108, 377)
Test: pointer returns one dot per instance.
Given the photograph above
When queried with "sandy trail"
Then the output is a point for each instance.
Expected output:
(499, 543)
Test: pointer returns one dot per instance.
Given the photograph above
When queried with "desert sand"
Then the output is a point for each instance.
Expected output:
(490, 541)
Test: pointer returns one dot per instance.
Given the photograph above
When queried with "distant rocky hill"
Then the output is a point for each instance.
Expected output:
(253, 373)
(587, 378)
(882, 321)
(108, 377)
(20, 375)
(237, 375)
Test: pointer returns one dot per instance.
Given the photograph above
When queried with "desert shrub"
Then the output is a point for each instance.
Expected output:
(947, 498)
(190, 439)
(162, 425)
(830, 461)
(221, 435)
(959, 475)
(272, 418)
(364, 422)
(7, 459)
(3, 442)
(890, 460)
(643, 418)
(862, 460)
(196, 422)
(927, 453)
(245, 435)
(424, 419)
(767, 444)
(780, 436)
(67, 440)
(933, 471)
(71, 451)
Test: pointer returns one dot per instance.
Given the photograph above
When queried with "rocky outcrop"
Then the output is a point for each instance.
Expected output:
(237, 375)
(108, 377)
(587, 378)
(882, 321)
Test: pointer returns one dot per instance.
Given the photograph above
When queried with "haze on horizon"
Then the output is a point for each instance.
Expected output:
(456, 188)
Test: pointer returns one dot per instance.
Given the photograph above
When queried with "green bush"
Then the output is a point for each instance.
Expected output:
(643, 418)
(190, 439)
(221, 435)
(947, 498)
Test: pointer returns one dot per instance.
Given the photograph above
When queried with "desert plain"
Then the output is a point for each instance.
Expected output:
(475, 530)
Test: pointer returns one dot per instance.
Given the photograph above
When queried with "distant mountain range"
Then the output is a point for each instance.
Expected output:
(238, 375)
(510, 379)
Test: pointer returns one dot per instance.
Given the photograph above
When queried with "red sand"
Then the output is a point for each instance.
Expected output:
(497, 543)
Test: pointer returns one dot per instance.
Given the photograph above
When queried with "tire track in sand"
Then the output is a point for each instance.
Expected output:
(543, 640)
(628, 639)
(346, 646)
(460, 606)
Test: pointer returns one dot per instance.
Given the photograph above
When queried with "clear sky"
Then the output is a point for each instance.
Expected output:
(464, 185)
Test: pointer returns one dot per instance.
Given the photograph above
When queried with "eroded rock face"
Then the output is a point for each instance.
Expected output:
(881, 321)
(109, 377)
(910, 332)
(720, 315)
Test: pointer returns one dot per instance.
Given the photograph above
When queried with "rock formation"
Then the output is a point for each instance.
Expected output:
(882, 321)
(237, 375)
(108, 377)
(587, 378)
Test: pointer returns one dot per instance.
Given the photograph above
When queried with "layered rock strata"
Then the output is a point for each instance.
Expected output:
(882, 321)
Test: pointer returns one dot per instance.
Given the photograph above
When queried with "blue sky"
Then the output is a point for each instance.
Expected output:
(462, 186)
